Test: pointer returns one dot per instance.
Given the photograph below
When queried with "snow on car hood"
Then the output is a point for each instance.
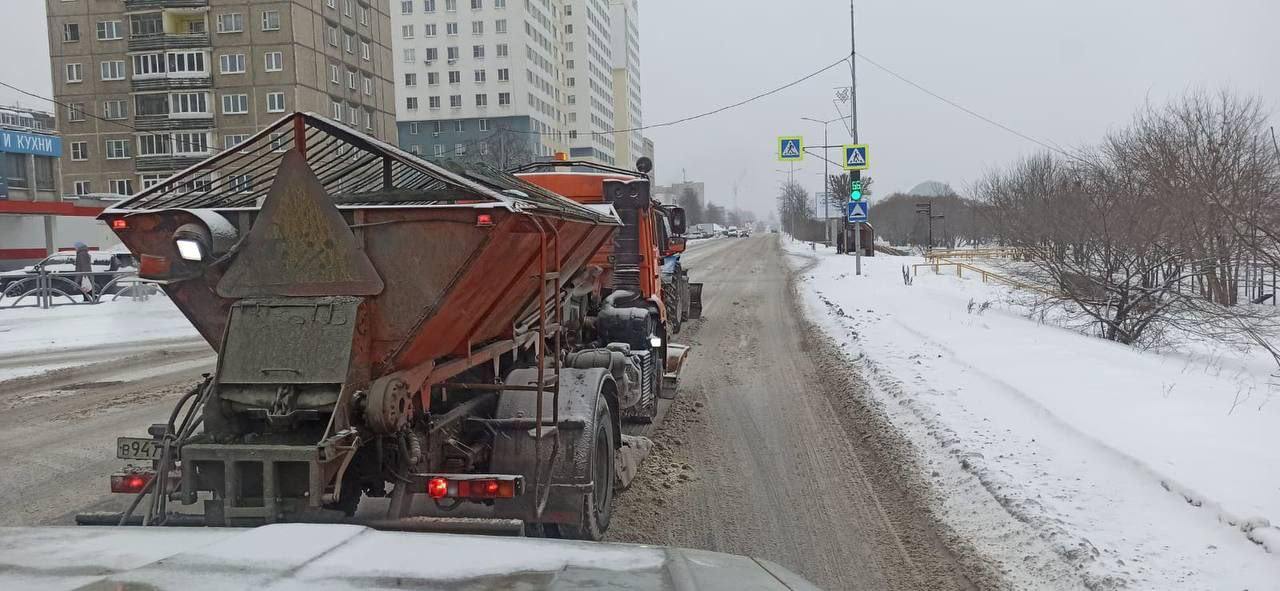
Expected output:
(348, 557)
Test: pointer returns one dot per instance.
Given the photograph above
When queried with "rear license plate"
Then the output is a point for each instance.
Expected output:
(137, 448)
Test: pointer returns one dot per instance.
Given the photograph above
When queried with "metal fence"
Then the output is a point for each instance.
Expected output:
(47, 289)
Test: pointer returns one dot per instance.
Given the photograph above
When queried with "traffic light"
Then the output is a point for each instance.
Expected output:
(855, 186)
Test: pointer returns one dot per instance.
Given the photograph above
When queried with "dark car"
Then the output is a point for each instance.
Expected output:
(65, 262)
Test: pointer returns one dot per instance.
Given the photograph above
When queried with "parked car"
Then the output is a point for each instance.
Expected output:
(732, 232)
(65, 262)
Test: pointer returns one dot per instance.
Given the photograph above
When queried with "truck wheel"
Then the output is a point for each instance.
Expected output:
(597, 505)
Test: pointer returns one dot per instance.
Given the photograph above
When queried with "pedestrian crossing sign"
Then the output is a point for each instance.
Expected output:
(855, 157)
(790, 148)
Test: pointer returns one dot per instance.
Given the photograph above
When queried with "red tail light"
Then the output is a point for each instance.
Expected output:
(438, 488)
(130, 482)
(119, 224)
(484, 219)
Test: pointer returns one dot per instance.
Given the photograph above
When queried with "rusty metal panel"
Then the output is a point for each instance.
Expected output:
(289, 341)
(299, 245)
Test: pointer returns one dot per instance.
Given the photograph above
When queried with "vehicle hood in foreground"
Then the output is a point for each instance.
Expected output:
(348, 557)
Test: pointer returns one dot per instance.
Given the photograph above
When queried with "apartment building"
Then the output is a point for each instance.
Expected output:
(154, 86)
(624, 20)
(508, 81)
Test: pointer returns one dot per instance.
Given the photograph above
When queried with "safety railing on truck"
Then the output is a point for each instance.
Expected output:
(48, 289)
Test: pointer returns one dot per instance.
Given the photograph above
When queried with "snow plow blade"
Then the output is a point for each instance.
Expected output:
(695, 301)
(676, 355)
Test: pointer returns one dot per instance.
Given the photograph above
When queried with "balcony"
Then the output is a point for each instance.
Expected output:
(171, 83)
(165, 123)
(169, 41)
(166, 162)
(135, 5)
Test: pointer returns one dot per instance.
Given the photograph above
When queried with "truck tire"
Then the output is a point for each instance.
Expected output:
(597, 505)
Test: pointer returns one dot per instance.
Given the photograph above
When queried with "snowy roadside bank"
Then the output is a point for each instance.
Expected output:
(31, 338)
(1133, 470)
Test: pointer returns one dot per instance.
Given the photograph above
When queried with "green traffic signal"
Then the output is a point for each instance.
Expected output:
(855, 191)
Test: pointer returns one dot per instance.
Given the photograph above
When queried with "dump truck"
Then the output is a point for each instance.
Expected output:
(386, 326)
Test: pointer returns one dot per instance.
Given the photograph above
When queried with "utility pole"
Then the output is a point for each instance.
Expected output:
(853, 127)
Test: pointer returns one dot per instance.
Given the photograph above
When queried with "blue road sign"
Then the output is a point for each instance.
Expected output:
(855, 157)
(790, 148)
(857, 211)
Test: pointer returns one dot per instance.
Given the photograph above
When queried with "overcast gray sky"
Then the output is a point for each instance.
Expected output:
(1062, 71)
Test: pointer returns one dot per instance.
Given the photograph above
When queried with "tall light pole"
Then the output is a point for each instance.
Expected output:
(826, 168)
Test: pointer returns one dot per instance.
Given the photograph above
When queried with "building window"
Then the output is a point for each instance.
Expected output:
(568, 64)
(368, 86)
(455, 77)
(331, 3)
(413, 128)
(482, 100)
(430, 54)
(334, 75)
(274, 61)
(275, 102)
(410, 80)
(231, 63)
(452, 53)
(501, 50)
(568, 29)
(433, 78)
(406, 7)
(75, 112)
(477, 27)
(192, 103)
(411, 103)
(459, 126)
(429, 30)
(500, 25)
(190, 143)
(455, 101)
(364, 50)
(79, 151)
(504, 99)
(451, 5)
(121, 186)
(477, 4)
(109, 30)
(477, 51)
(451, 29)
(347, 7)
(504, 75)
(280, 142)
(352, 79)
(153, 145)
(82, 188)
(271, 20)
(479, 76)
(74, 73)
(428, 6)
(240, 183)
(348, 43)
(484, 125)
(459, 149)
(151, 180)
(364, 16)
(70, 32)
(433, 102)
(337, 110)
(499, 3)
(410, 55)
(232, 22)
(146, 25)
(117, 149)
(44, 173)
(439, 150)
(189, 62)
(115, 109)
(406, 31)
(235, 104)
(231, 141)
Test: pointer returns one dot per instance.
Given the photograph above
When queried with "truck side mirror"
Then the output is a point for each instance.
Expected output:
(677, 221)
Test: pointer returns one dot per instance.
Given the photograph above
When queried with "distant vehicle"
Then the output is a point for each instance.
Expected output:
(732, 232)
(65, 262)
(745, 233)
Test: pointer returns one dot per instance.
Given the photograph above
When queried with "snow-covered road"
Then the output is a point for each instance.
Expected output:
(1072, 461)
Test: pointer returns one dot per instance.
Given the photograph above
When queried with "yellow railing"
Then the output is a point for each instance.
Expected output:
(986, 275)
(974, 253)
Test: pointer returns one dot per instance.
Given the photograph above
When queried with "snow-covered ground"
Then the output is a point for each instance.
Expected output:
(34, 340)
(1071, 461)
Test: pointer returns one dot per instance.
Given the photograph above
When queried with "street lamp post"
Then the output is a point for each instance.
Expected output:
(826, 174)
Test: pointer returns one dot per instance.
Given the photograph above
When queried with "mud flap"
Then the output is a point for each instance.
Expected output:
(570, 472)
(695, 301)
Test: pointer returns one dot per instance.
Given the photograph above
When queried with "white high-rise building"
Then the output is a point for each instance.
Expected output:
(624, 17)
(510, 81)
